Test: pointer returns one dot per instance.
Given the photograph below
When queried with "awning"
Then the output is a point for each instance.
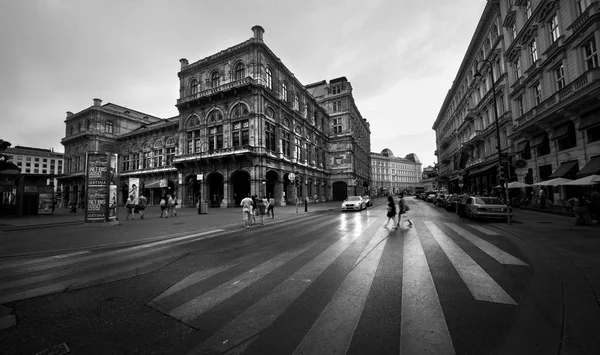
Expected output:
(592, 167)
(589, 121)
(568, 168)
(537, 141)
(521, 147)
(152, 184)
(559, 132)
(483, 169)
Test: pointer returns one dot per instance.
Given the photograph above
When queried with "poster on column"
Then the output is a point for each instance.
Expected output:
(134, 189)
(113, 180)
(96, 208)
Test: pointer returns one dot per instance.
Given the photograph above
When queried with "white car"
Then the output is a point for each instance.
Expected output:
(353, 203)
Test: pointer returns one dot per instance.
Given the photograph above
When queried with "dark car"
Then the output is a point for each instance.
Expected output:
(451, 202)
(461, 203)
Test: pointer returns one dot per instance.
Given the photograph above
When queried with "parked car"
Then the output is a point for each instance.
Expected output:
(440, 200)
(353, 203)
(451, 202)
(461, 203)
(485, 207)
(368, 201)
(430, 197)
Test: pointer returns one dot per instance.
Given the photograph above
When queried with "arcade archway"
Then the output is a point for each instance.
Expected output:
(272, 178)
(240, 182)
(340, 191)
(215, 189)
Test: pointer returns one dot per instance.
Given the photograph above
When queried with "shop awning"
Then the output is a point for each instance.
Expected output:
(592, 167)
(483, 169)
(521, 147)
(589, 121)
(537, 141)
(559, 132)
(152, 184)
(568, 168)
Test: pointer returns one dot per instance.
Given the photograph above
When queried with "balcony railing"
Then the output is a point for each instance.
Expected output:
(234, 84)
(214, 153)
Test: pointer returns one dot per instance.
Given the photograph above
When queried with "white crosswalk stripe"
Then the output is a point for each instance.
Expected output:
(483, 229)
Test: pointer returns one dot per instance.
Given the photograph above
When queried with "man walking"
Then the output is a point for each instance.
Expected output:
(142, 203)
(270, 206)
(402, 209)
(246, 204)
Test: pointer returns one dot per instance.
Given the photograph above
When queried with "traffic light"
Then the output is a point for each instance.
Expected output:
(502, 173)
(297, 180)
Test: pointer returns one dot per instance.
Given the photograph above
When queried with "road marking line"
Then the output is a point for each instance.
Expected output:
(423, 328)
(196, 307)
(38, 260)
(483, 229)
(332, 332)
(260, 315)
(490, 249)
(482, 286)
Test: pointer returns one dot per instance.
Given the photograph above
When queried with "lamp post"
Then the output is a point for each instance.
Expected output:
(478, 74)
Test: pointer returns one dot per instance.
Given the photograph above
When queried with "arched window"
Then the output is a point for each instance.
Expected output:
(284, 91)
(214, 79)
(194, 87)
(78, 126)
(215, 115)
(296, 103)
(239, 110)
(269, 78)
(193, 121)
(240, 71)
(87, 124)
(285, 122)
(270, 112)
(109, 127)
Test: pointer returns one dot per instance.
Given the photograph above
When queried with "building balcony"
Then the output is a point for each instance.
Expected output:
(218, 153)
(221, 88)
(473, 161)
(583, 19)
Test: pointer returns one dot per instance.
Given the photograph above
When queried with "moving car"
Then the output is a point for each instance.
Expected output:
(440, 200)
(353, 203)
(485, 207)
(368, 201)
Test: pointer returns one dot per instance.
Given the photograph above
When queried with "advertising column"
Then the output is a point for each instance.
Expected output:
(112, 180)
(96, 206)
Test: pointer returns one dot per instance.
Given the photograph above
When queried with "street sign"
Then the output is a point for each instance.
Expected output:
(292, 176)
(199, 177)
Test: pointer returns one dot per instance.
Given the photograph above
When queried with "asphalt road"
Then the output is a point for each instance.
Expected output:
(324, 283)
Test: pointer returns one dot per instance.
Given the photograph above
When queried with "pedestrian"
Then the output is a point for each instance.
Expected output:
(141, 207)
(402, 209)
(163, 207)
(595, 202)
(542, 198)
(130, 205)
(391, 213)
(246, 204)
(173, 205)
(271, 207)
(261, 207)
(581, 211)
(254, 210)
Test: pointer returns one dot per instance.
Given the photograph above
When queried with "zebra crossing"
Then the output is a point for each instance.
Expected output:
(340, 276)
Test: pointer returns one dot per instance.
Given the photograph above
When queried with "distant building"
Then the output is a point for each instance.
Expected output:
(429, 178)
(38, 161)
(392, 174)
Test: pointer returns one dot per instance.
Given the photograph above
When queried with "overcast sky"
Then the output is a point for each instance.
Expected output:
(401, 57)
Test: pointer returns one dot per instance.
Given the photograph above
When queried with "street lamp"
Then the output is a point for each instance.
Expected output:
(478, 74)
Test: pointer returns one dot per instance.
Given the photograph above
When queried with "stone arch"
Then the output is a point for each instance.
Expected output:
(215, 188)
(340, 190)
(239, 109)
(214, 115)
(240, 182)
(192, 121)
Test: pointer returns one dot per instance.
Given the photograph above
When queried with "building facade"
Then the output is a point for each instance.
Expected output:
(544, 59)
(245, 125)
(392, 175)
(38, 161)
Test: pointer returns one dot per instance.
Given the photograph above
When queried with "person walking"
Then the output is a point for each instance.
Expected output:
(163, 207)
(246, 204)
(261, 207)
(402, 209)
(595, 202)
(581, 211)
(142, 203)
(173, 206)
(130, 205)
(254, 209)
(391, 213)
(271, 206)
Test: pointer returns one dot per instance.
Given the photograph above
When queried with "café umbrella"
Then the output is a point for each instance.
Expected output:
(517, 184)
(553, 182)
(588, 180)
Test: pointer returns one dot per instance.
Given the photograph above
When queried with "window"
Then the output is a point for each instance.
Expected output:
(537, 93)
(336, 89)
(237, 111)
(135, 161)
(518, 68)
(583, 5)
(194, 87)
(215, 137)
(87, 125)
(241, 133)
(269, 78)
(109, 127)
(270, 136)
(170, 155)
(554, 29)
(559, 74)
(45, 160)
(193, 141)
(28, 158)
(513, 30)
(528, 8)
(126, 160)
(569, 140)
(240, 71)
(72, 130)
(520, 108)
(593, 134)
(298, 149)
(36, 159)
(544, 148)
(214, 79)
(158, 157)
(78, 126)
(285, 143)
(284, 91)
(296, 103)
(146, 161)
(590, 54)
(533, 52)
(337, 106)
(337, 125)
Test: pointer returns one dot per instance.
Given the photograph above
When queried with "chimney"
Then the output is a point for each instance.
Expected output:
(97, 102)
(69, 114)
(184, 62)
(258, 32)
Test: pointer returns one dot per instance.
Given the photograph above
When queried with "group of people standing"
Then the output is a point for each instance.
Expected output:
(253, 206)
(391, 212)
(168, 206)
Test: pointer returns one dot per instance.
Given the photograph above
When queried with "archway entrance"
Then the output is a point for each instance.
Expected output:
(272, 178)
(193, 190)
(240, 181)
(340, 191)
(215, 189)
(286, 187)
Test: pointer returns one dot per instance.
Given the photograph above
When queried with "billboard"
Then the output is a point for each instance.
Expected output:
(101, 187)
(134, 189)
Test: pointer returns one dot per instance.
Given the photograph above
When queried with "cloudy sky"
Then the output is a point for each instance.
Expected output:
(400, 56)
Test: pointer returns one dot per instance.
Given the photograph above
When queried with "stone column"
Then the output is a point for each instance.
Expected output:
(227, 195)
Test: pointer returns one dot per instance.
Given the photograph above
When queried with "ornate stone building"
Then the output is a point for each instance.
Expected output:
(393, 174)
(246, 125)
